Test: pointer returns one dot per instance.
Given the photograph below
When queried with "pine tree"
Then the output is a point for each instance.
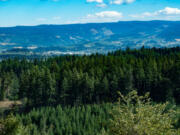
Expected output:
(49, 88)
(64, 91)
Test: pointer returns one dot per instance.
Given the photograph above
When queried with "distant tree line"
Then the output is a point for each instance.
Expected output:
(75, 80)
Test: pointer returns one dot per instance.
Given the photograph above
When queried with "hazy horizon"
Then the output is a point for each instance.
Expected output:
(88, 23)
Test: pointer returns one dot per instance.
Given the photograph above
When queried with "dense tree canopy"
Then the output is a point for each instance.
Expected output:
(74, 95)
(73, 80)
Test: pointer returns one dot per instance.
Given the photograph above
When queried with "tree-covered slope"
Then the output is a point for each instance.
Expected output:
(74, 80)
(91, 37)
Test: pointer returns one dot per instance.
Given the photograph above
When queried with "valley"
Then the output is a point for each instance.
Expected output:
(88, 38)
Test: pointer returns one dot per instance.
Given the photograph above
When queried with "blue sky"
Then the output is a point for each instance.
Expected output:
(35, 12)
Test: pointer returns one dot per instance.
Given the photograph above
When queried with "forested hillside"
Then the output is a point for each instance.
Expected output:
(88, 38)
(75, 80)
(78, 95)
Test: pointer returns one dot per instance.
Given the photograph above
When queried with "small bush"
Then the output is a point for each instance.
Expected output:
(136, 115)
(11, 126)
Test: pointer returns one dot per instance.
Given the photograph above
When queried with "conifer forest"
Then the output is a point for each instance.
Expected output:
(80, 94)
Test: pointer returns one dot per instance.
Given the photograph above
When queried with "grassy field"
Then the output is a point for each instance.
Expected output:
(9, 104)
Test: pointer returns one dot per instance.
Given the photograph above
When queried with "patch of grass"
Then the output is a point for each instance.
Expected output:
(9, 104)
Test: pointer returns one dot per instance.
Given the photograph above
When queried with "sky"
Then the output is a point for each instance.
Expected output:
(35, 12)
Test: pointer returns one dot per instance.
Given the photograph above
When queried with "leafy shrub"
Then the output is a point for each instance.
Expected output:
(136, 115)
(11, 126)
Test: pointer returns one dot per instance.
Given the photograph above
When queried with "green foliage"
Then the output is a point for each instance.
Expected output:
(136, 115)
(76, 80)
(78, 120)
(11, 126)
(9, 86)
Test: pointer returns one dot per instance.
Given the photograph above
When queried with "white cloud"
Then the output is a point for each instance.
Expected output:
(104, 16)
(119, 2)
(166, 12)
(107, 14)
(98, 1)
(102, 3)
(169, 11)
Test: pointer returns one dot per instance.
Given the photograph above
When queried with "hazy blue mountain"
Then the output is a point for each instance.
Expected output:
(80, 38)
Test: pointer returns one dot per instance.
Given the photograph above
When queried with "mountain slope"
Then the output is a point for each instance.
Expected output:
(91, 37)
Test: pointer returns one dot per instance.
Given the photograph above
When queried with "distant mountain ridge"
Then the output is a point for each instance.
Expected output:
(91, 37)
